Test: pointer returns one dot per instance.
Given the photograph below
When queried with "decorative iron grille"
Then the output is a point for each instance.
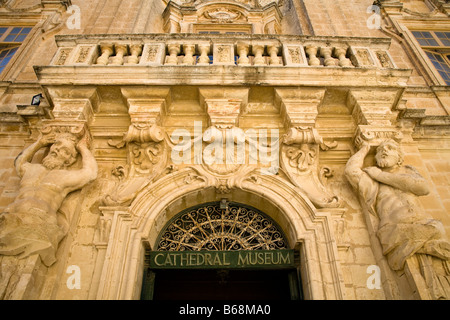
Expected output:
(208, 227)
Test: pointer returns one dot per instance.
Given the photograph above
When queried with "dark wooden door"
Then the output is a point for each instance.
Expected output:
(222, 284)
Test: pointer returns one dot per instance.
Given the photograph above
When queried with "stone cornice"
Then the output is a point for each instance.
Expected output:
(221, 75)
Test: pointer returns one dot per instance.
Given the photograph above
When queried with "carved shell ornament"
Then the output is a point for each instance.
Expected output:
(223, 15)
(249, 3)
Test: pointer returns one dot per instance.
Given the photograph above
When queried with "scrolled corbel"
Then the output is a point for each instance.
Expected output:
(299, 159)
(142, 132)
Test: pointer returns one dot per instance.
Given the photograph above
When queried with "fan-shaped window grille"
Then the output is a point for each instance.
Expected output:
(208, 227)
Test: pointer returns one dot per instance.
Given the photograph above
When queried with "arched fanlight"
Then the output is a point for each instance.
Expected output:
(214, 227)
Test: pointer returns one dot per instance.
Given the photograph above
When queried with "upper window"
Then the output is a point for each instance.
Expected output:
(436, 45)
(10, 41)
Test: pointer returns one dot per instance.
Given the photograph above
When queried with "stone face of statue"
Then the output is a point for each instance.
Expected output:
(62, 155)
(388, 155)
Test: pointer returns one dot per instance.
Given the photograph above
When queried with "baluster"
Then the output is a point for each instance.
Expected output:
(189, 50)
(312, 54)
(258, 51)
(243, 50)
(326, 53)
(135, 50)
(174, 50)
(273, 52)
(121, 50)
(204, 51)
(343, 61)
(106, 50)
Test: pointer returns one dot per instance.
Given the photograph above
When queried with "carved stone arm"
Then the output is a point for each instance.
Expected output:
(78, 178)
(25, 157)
(353, 169)
(411, 182)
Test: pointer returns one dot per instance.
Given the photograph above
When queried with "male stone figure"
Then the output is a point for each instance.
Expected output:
(390, 191)
(29, 225)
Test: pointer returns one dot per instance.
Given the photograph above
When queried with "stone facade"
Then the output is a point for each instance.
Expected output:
(143, 101)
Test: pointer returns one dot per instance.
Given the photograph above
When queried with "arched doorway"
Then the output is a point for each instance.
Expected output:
(221, 250)
(135, 230)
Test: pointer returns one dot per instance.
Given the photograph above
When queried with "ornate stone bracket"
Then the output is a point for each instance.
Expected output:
(223, 106)
(299, 106)
(147, 153)
(375, 114)
(300, 146)
(299, 159)
(146, 156)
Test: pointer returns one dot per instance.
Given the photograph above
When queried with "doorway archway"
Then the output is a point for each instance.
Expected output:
(221, 250)
(135, 230)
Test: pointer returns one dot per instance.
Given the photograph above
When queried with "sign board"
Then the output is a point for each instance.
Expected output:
(258, 259)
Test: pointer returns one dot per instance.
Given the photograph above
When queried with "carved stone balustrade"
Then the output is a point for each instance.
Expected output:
(241, 50)
(205, 58)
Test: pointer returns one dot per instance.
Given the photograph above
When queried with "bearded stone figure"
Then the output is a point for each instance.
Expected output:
(29, 225)
(390, 190)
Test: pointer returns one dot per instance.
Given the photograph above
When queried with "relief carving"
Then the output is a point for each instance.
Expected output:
(151, 54)
(384, 59)
(225, 156)
(147, 157)
(31, 226)
(83, 54)
(63, 55)
(223, 184)
(299, 153)
(223, 15)
(295, 55)
(390, 191)
(301, 157)
(369, 134)
(223, 53)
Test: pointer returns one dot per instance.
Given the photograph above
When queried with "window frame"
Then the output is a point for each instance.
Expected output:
(13, 68)
(6, 46)
(434, 37)
(7, 33)
(440, 49)
(432, 26)
(445, 62)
